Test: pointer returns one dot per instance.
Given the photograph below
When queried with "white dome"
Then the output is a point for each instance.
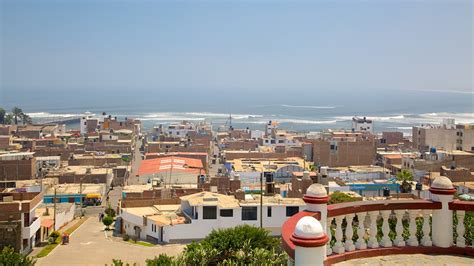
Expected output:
(308, 227)
(442, 182)
(316, 190)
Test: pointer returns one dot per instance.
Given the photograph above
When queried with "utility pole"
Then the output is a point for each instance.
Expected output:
(261, 200)
(54, 204)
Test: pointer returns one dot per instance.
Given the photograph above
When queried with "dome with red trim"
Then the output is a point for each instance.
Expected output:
(316, 190)
(308, 227)
(442, 182)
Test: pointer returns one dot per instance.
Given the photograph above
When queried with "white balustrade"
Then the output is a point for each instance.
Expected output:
(349, 245)
(373, 229)
(412, 240)
(426, 240)
(338, 246)
(360, 244)
(385, 242)
(329, 233)
(460, 230)
(399, 241)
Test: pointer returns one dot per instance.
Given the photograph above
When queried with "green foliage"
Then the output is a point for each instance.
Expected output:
(2, 115)
(241, 245)
(125, 237)
(10, 257)
(405, 176)
(16, 112)
(53, 237)
(110, 212)
(117, 262)
(340, 197)
(8, 119)
(161, 260)
(107, 221)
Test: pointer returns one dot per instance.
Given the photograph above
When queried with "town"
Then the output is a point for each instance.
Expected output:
(107, 189)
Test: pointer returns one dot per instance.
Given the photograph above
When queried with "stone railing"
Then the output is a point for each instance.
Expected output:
(345, 231)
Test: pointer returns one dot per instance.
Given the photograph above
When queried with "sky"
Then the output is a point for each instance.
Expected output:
(268, 47)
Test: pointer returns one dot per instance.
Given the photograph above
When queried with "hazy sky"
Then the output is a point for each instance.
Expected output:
(247, 45)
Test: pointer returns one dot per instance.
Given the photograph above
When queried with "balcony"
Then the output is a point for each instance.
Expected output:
(29, 231)
(324, 235)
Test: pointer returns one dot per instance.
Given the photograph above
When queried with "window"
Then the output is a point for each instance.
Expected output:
(249, 213)
(269, 211)
(272, 141)
(333, 147)
(292, 210)
(227, 213)
(209, 212)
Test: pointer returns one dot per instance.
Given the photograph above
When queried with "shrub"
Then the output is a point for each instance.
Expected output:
(161, 260)
(340, 197)
(8, 256)
(107, 221)
(126, 237)
(110, 212)
(54, 236)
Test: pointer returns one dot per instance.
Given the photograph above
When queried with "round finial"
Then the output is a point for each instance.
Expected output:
(442, 182)
(308, 227)
(442, 186)
(316, 190)
(309, 233)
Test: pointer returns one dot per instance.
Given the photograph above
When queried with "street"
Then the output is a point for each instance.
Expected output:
(90, 246)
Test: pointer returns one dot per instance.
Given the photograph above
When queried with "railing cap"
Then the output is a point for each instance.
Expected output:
(442, 182)
(309, 233)
(442, 186)
(316, 190)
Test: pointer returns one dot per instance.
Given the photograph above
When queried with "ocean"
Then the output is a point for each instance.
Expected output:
(308, 110)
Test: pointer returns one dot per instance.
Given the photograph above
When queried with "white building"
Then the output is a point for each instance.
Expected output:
(200, 213)
(362, 124)
(179, 130)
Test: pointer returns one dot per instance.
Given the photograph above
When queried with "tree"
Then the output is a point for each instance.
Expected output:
(26, 119)
(107, 221)
(10, 257)
(2, 115)
(236, 244)
(16, 112)
(405, 176)
(8, 119)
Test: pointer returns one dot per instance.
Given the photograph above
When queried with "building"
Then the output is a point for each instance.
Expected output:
(17, 166)
(362, 124)
(19, 225)
(250, 170)
(344, 148)
(200, 213)
(171, 170)
(91, 194)
(447, 136)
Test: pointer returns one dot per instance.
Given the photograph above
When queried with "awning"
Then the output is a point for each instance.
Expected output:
(48, 223)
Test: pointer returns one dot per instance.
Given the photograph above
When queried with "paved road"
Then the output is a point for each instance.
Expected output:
(415, 259)
(89, 246)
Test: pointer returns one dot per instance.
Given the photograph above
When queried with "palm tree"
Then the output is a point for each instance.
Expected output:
(16, 112)
(8, 119)
(405, 176)
(26, 119)
(2, 115)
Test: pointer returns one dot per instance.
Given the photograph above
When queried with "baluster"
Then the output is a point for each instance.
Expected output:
(360, 244)
(460, 241)
(399, 241)
(426, 240)
(349, 245)
(328, 246)
(373, 229)
(412, 240)
(338, 246)
(385, 242)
